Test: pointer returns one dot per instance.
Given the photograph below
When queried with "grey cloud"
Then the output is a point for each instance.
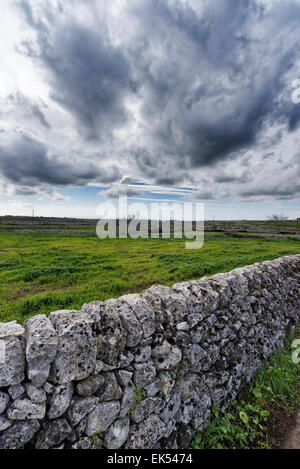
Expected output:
(40, 116)
(20, 104)
(26, 162)
(203, 195)
(88, 75)
(116, 191)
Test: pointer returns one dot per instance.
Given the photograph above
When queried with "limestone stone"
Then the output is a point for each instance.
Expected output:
(130, 323)
(102, 417)
(90, 386)
(124, 377)
(18, 434)
(36, 395)
(145, 408)
(77, 348)
(166, 356)
(128, 401)
(41, 348)
(144, 373)
(111, 390)
(25, 409)
(53, 433)
(143, 354)
(146, 434)
(112, 336)
(143, 312)
(79, 408)
(16, 391)
(4, 423)
(12, 360)
(4, 400)
(117, 434)
(60, 400)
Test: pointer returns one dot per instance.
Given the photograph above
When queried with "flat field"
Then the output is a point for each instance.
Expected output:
(40, 273)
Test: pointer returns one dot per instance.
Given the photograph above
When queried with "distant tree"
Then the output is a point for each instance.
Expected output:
(278, 220)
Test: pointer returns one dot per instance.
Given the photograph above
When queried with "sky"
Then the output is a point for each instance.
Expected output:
(156, 100)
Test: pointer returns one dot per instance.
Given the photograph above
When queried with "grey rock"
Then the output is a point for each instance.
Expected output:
(52, 433)
(203, 412)
(153, 388)
(90, 386)
(79, 408)
(166, 356)
(36, 395)
(4, 400)
(165, 299)
(99, 365)
(77, 348)
(4, 423)
(77, 431)
(167, 380)
(125, 359)
(143, 312)
(144, 373)
(24, 409)
(111, 390)
(171, 425)
(48, 388)
(171, 409)
(60, 401)
(146, 434)
(196, 357)
(145, 408)
(128, 401)
(16, 391)
(18, 434)
(183, 326)
(143, 354)
(130, 323)
(194, 319)
(12, 360)
(185, 435)
(182, 339)
(112, 338)
(207, 296)
(41, 347)
(102, 417)
(124, 377)
(88, 443)
(117, 434)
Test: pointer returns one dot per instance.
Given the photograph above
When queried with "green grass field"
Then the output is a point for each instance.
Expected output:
(40, 273)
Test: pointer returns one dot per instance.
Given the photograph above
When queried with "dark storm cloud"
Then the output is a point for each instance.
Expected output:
(216, 119)
(26, 162)
(88, 76)
(205, 80)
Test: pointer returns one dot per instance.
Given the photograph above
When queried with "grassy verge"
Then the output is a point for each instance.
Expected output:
(260, 418)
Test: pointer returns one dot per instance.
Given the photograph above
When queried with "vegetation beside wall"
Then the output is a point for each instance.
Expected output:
(260, 418)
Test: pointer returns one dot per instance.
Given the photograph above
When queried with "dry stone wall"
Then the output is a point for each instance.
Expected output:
(143, 371)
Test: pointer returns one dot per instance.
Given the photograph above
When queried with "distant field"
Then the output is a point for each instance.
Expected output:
(40, 273)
